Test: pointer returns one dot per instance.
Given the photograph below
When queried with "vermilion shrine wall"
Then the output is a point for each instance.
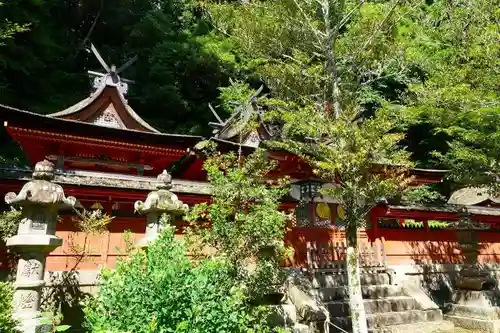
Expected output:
(405, 246)
(401, 245)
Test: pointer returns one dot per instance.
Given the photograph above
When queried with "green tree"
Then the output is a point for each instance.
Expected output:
(366, 163)
(335, 71)
(178, 286)
(243, 222)
(456, 45)
(9, 29)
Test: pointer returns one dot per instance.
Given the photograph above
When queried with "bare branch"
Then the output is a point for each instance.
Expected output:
(348, 16)
(318, 34)
(91, 30)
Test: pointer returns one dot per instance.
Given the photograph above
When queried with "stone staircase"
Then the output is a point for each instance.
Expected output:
(389, 308)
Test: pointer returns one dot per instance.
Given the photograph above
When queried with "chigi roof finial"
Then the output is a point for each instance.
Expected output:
(111, 76)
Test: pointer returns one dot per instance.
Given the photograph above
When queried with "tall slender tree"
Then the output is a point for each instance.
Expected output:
(329, 65)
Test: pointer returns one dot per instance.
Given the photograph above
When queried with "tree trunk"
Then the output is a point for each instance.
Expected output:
(333, 93)
(358, 315)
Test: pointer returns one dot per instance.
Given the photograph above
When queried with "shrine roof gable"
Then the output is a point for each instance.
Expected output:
(106, 107)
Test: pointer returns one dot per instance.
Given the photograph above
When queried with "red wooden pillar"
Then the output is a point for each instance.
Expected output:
(426, 225)
(375, 214)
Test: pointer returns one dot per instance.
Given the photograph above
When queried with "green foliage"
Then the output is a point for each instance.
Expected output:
(364, 159)
(92, 222)
(300, 48)
(178, 70)
(433, 224)
(8, 29)
(243, 222)
(422, 195)
(336, 72)
(7, 324)
(327, 65)
(235, 95)
(9, 221)
(54, 320)
(161, 290)
(456, 47)
(438, 59)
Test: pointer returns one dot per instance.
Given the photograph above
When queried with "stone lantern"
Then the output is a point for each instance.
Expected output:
(159, 202)
(472, 276)
(475, 298)
(40, 201)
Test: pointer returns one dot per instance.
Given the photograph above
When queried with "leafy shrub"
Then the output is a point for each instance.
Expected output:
(245, 222)
(7, 324)
(161, 290)
(9, 221)
(422, 195)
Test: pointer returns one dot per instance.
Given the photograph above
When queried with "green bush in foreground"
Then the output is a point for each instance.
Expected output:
(161, 290)
(7, 324)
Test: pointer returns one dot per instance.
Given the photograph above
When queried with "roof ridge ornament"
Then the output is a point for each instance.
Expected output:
(111, 77)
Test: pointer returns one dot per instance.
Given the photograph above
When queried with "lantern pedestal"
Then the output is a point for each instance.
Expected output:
(475, 297)
(473, 276)
(40, 200)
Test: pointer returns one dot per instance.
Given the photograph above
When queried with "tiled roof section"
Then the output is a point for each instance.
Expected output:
(473, 196)
(100, 179)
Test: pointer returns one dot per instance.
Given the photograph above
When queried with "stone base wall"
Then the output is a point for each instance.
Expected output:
(436, 280)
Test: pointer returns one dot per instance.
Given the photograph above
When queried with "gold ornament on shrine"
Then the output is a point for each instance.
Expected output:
(323, 210)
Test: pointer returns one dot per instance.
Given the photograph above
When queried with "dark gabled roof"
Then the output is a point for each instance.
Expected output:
(25, 119)
(107, 102)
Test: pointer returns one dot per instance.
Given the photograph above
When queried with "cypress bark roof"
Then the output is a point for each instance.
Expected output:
(107, 107)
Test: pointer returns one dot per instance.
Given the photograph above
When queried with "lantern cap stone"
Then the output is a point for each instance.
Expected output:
(44, 170)
(41, 190)
(164, 181)
(162, 200)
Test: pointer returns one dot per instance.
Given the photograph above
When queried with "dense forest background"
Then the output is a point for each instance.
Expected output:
(437, 63)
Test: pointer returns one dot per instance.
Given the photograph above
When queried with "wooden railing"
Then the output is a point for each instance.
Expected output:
(331, 256)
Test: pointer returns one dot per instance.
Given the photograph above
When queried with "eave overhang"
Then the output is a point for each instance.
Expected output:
(35, 123)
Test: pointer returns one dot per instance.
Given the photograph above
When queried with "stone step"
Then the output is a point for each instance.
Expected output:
(339, 280)
(483, 325)
(400, 318)
(372, 306)
(441, 326)
(479, 312)
(368, 292)
(381, 320)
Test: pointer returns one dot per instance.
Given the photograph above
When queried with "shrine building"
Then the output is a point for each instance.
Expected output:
(108, 157)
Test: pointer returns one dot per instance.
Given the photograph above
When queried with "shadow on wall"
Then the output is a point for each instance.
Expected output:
(64, 295)
(440, 262)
